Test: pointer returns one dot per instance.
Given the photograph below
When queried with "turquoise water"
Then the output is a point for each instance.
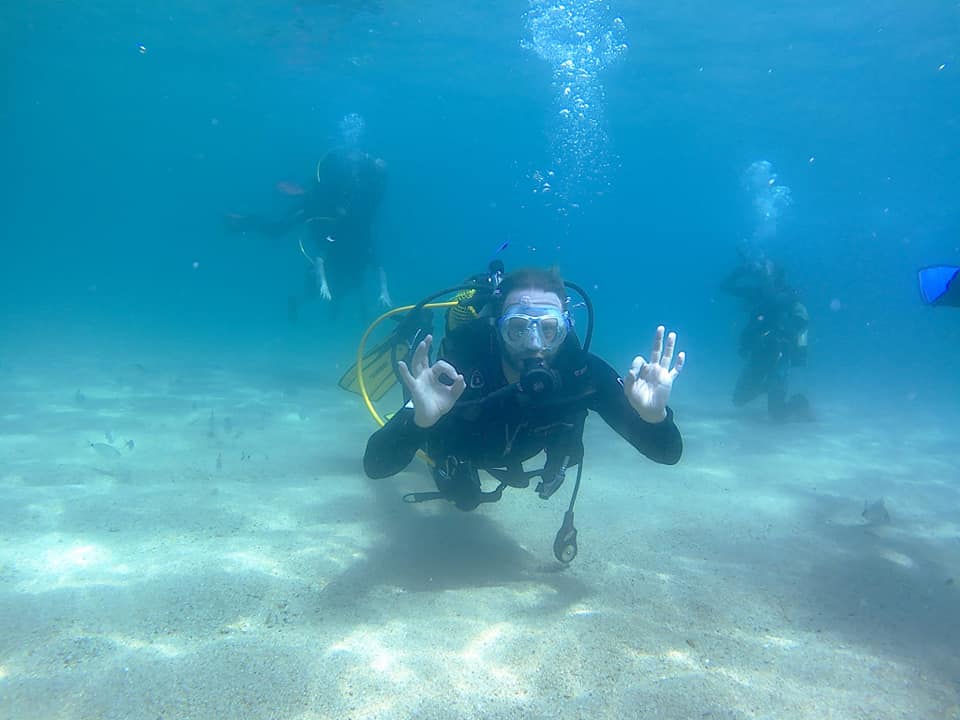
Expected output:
(614, 140)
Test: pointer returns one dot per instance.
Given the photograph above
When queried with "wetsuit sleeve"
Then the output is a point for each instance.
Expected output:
(391, 448)
(661, 442)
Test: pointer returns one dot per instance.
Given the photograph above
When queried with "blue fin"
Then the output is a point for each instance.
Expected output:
(937, 286)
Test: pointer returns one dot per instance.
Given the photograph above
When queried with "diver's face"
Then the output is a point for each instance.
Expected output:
(530, 345)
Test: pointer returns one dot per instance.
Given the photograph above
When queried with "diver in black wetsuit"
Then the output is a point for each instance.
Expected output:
(515, 382)
(774, 340)
(337, 208)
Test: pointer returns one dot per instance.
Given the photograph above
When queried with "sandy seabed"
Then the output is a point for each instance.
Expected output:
(184, 539)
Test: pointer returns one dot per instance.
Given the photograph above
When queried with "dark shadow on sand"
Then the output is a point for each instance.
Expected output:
(437, 549)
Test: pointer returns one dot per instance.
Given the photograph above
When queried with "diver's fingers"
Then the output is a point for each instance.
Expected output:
(416, 360)
(442, 367)
(633, 374)
(668, 347)
(459, 385)
(657, 348)
(681, 359)
(455, 385)
(405, 375)
(427, 342)
(421, 356)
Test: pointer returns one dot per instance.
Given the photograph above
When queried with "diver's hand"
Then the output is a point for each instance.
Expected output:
(647, 385)
(432, 398)
(385, 300)
(325, 291)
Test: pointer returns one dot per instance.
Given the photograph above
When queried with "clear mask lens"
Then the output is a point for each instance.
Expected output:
(533, 327)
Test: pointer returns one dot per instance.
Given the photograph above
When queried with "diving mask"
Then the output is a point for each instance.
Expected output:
(533, 327)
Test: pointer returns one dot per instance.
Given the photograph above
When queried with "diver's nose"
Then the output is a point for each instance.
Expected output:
(534, 342)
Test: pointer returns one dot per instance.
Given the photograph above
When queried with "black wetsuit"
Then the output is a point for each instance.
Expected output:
(348, 191)
(495, 429)
(338, 207)
(773, 341)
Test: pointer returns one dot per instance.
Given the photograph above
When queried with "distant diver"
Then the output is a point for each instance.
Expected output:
(939, 285)
(774, 340)
(336, 210)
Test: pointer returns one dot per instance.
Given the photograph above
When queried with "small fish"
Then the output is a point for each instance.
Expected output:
(104, 450)
(291, 189)
(501, 247)
(876, 513)
(129, 445)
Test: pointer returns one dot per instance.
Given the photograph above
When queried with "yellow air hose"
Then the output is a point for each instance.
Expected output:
(363, 343)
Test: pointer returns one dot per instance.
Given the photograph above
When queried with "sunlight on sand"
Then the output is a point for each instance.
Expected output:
(50, 565)
(897, 558)
(385, 662)
(484, 641)
(166, 650)
(780, 642)
(480, 659)
(581, 611)
(243, 561)
(724, 585)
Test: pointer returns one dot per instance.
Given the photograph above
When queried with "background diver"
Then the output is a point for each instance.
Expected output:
(512, 383)
(335, 211)
(774, 339)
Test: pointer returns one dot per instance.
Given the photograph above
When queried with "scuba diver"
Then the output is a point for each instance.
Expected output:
(512, 380)
(336, 209)
(939, 285)
(774, 340)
